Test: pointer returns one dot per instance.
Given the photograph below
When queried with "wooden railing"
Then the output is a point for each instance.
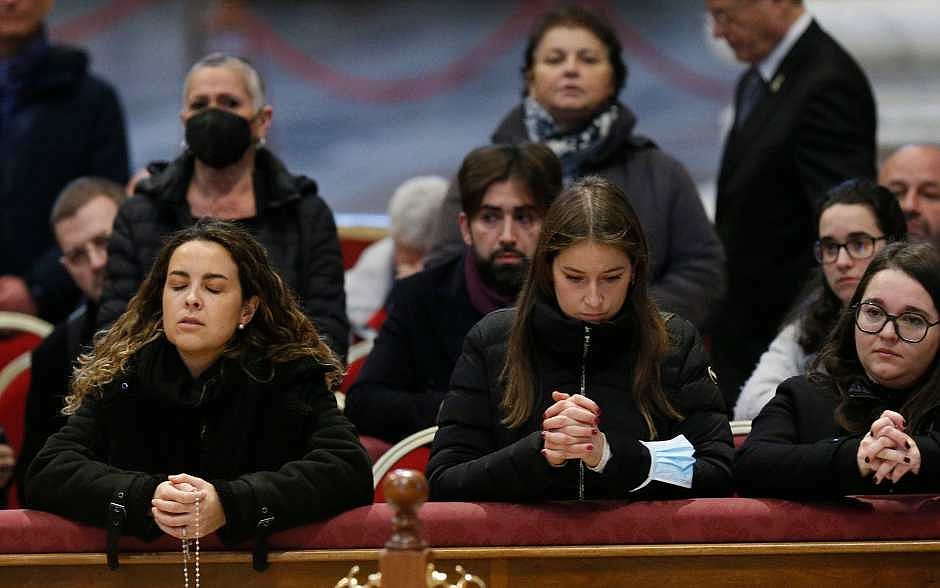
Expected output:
(861, 541)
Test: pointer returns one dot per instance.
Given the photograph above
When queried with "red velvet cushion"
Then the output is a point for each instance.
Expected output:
(374, 447)
(464, 524)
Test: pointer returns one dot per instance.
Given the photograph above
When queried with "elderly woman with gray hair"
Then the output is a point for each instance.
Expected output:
(411, 213)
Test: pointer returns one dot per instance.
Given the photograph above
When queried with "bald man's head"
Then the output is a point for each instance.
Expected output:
(913, 174)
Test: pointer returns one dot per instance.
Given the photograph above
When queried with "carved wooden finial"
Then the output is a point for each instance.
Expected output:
(406, 491)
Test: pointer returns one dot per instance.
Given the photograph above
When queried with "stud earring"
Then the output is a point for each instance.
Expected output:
(241, 326)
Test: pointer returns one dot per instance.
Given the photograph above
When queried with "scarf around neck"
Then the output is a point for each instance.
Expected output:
(573, 148)
(483, 298)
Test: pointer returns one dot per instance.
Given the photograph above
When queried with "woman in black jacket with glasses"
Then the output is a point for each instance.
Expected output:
(865, 420)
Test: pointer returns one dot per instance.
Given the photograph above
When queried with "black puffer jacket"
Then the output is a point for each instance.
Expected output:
(269, 438)
(293, 224)
(796, 450)
(476, 457)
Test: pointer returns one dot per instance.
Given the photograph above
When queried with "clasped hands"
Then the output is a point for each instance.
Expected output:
(571, 430)
(174, 507)
(886, 451)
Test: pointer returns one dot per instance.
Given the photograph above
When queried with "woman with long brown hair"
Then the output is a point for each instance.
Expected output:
(208, 406)
(523, 420)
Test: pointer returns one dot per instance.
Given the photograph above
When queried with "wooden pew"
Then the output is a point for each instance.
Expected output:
(857, 542)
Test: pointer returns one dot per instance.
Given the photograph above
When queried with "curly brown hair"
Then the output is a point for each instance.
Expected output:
(279, 331)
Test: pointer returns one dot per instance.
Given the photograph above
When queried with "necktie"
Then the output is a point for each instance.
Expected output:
(751, 89)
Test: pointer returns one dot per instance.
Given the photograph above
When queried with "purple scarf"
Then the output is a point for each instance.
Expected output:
(482, 297)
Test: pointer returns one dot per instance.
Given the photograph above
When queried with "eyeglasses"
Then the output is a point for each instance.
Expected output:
(909, 326)
(81, 255)
(857, 246)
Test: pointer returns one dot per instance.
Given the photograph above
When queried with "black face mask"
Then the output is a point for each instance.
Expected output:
(217, 137)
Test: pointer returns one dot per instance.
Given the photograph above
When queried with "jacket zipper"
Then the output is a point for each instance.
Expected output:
(584, 356)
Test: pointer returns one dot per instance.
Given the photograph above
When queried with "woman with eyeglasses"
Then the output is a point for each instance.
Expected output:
(865, 421)
(857, 219)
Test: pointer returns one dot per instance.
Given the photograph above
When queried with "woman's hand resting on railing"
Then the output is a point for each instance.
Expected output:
(174, 507)
(886, 451)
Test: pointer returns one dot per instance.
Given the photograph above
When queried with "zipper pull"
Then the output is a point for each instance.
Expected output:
(204, 432)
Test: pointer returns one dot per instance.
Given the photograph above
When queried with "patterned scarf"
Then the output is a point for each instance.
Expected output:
(573, 148)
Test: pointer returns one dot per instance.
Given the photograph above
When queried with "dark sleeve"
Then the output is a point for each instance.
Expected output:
(123, 273)
(467, 463)
(694, 279)
(776, 461)
(52, 288)
(70, 476)
(835, 135)
(333, 474)
(928, 480)
(48, 385)
(108, 153)
(323, 298)
(704, 421)
(393, 396)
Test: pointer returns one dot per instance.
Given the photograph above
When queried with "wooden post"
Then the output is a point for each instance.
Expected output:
(404, 561)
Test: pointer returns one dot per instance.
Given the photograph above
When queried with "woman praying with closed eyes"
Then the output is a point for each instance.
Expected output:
(207, 407)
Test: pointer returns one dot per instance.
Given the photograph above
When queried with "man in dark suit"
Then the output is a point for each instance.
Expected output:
(505, 191)
(804, 121)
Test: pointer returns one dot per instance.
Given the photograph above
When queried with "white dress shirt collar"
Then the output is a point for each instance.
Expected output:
(769, 65)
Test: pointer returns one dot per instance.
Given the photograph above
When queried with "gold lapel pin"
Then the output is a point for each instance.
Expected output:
(777, 82)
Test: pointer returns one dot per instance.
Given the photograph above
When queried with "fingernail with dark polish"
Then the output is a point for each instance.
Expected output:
(594, 431)
(907, 444)
(866, 459)
(590, 447)
(907, 460)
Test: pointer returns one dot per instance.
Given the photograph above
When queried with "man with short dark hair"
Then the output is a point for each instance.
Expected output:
(505, 191)
(57, 122)
(912, 173)
(804, 121)
(81, 220)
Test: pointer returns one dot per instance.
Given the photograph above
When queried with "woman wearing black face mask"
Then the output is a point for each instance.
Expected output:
(226, 172)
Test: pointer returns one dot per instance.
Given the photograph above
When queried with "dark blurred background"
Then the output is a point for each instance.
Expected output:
(367, 94)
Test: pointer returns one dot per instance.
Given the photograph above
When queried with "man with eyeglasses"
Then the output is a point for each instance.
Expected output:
(804, 121)
(912, 173)
(505, 191)
(81, 220)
